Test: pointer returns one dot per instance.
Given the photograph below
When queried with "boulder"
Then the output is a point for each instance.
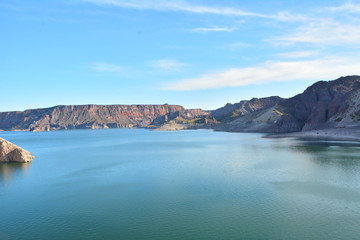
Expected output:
(9, 152)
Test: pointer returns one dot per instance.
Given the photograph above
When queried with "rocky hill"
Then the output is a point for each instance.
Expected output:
(325, 104)
(94, 116)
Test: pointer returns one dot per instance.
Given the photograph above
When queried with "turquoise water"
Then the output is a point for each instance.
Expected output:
(140, 184)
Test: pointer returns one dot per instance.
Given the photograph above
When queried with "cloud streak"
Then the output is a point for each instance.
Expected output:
(347, 7)
(298, 54)
(187, 7)
(327, 68)
(331, 29)
(167, 65)
(325, 32)
(178, 6)
(320, 28)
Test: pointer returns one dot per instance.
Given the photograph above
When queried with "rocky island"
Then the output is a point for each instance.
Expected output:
(9, 152)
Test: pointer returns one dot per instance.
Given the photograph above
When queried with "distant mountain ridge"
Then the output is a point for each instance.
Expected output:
(325, 104)
(93, 116)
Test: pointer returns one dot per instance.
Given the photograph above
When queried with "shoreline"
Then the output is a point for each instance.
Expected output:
(331, 134)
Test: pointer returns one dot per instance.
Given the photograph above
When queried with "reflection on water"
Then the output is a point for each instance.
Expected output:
(342, 154)
(331, 144)
(12, 170)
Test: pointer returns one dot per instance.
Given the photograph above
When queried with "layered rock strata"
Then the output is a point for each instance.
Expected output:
(93, 116)
(9, 152)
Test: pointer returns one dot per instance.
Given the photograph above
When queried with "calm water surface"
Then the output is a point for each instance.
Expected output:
(140, 184)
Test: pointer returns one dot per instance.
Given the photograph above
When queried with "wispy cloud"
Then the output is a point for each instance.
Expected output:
(286, 16)
(107, 67)
(312, 28)
(325, 32)
(184, 6)
(187, 7)
(326, 68)
(212, 29)
(298, 54)
(168, 65)
(181, 6)
(325, 27)
(347, 7)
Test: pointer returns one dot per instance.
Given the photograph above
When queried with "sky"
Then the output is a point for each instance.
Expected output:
(195, 53)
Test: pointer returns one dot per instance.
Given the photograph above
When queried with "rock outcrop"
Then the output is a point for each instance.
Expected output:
(93, 116)
(233, 111)
(11, 153)
(325, 104)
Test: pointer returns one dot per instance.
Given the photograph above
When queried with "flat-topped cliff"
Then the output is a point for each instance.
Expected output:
(9, 152)
(93, 116)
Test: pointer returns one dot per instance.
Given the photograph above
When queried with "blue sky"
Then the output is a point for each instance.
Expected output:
(199, 54)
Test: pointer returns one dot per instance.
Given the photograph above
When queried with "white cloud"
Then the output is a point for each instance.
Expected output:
(288, 17)
(325, 68)
(325, 32)
(173, 6)
(327, 28)
(347, 7)
(324, 27)
(212, 29)
(168, 65)
(298, 54)
(107, 67)
(184, 6)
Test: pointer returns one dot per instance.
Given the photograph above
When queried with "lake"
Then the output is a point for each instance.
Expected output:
(141, 184)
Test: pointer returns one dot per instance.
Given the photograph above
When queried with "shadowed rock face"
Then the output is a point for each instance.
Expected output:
(314, 108)
(11, 153)
(89, 116)
(325, 104)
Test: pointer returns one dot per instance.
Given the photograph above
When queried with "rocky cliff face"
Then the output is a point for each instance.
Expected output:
(186, 114)
(11, 153)
(232, 111)
(314, 108)
(91, 116)
(325, 104)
